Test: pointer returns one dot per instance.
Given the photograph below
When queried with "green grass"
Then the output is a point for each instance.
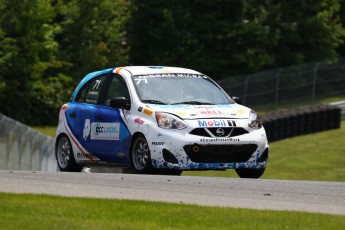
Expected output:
(48, 130)
(54, 212)
(318, 156)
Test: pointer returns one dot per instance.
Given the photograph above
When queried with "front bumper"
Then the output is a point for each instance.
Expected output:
(197, 150)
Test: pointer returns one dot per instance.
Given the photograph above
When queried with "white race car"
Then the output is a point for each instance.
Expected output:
(158, 120)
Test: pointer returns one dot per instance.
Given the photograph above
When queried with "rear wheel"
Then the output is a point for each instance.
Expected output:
(250, 173)
(64, 156)
(141, 156)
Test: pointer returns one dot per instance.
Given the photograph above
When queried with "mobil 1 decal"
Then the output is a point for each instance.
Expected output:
(216, 123)
(105, 131)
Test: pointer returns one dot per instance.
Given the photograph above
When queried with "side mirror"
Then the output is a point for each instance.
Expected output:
(237, 100)
(120, 102)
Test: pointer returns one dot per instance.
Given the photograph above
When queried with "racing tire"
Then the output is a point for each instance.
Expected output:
(250, 173)
(141, 156)
(65, 157)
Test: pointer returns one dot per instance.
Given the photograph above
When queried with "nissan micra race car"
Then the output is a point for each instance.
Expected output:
(158, 120)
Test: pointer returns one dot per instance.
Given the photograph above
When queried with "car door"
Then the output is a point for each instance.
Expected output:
(109, 133)
(83, 110)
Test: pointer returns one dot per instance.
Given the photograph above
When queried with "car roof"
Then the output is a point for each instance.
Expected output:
(139, 70)
(133, 70)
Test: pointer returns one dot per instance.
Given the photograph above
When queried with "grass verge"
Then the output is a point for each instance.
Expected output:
(55, 212)
(47, 130)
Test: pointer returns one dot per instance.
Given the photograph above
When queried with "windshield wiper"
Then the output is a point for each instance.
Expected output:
(154, 102)
(192, 103)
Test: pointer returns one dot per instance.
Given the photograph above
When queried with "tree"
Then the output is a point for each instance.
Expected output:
(223, 38)
(27, 42)
(308, 31)
(93, 34)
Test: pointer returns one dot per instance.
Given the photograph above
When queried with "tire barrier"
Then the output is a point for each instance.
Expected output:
(341, 105)
(22, 148)
(300, 121)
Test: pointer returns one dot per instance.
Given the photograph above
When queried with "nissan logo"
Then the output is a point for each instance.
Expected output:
(220, 132)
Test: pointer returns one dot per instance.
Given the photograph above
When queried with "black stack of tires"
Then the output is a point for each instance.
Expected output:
(294, 122)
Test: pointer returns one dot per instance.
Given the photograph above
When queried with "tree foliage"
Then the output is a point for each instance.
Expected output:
(47, 46)
(230, 37)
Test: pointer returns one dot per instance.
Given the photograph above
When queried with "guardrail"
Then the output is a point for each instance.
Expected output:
(22, 148)
(304, 120)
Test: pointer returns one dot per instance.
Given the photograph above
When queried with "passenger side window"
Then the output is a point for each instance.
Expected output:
(91, 91)
(117, 88)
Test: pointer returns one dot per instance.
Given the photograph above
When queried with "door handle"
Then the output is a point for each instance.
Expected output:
(73, 115)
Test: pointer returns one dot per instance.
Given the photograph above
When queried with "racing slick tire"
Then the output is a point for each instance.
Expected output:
(141, 155)
(65, 157)
(250, 173)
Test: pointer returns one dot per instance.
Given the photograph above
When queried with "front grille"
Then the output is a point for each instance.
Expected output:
(212, 132)
(219, 153)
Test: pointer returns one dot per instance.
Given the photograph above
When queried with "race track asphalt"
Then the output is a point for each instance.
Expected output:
(308, 196)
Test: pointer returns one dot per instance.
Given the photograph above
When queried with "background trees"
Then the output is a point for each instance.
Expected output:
(47, 46)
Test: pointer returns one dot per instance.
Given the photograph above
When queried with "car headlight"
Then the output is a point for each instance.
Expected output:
(169, 121)
(254, 121)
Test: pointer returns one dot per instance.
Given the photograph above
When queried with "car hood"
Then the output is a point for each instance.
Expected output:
(204, 111)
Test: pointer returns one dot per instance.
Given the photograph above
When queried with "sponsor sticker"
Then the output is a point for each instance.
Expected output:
(105, 131)
(229, 139)
(212, 123)
(148, 112)
(139, 121)
(212, 112)
(240, 112)
(157, 143)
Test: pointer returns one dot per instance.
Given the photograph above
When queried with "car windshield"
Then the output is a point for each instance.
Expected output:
(179, 89)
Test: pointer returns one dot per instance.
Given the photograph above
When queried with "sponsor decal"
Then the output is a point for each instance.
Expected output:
(105, 131)
(140, 109)
(121, 155)
(181, 113)
(158, 143)
(212, 112)
(216, 123)
(209, 140)
(170, 75)
(163, 136)
(240, 112)
(139, 121)
(87, 129)
(212, 123)
(148, 112)
(87, 156)
(232, 123)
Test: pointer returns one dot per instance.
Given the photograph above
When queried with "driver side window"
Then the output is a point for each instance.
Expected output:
(117, 88)
(91, 91)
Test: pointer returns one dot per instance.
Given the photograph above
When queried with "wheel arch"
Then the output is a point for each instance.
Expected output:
(58, 138)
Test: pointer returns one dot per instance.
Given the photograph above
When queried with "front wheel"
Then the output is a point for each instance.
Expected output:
(250, 173)
(140, 155)
(64, 156)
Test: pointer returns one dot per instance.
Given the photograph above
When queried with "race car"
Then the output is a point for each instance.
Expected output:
(158, 119)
